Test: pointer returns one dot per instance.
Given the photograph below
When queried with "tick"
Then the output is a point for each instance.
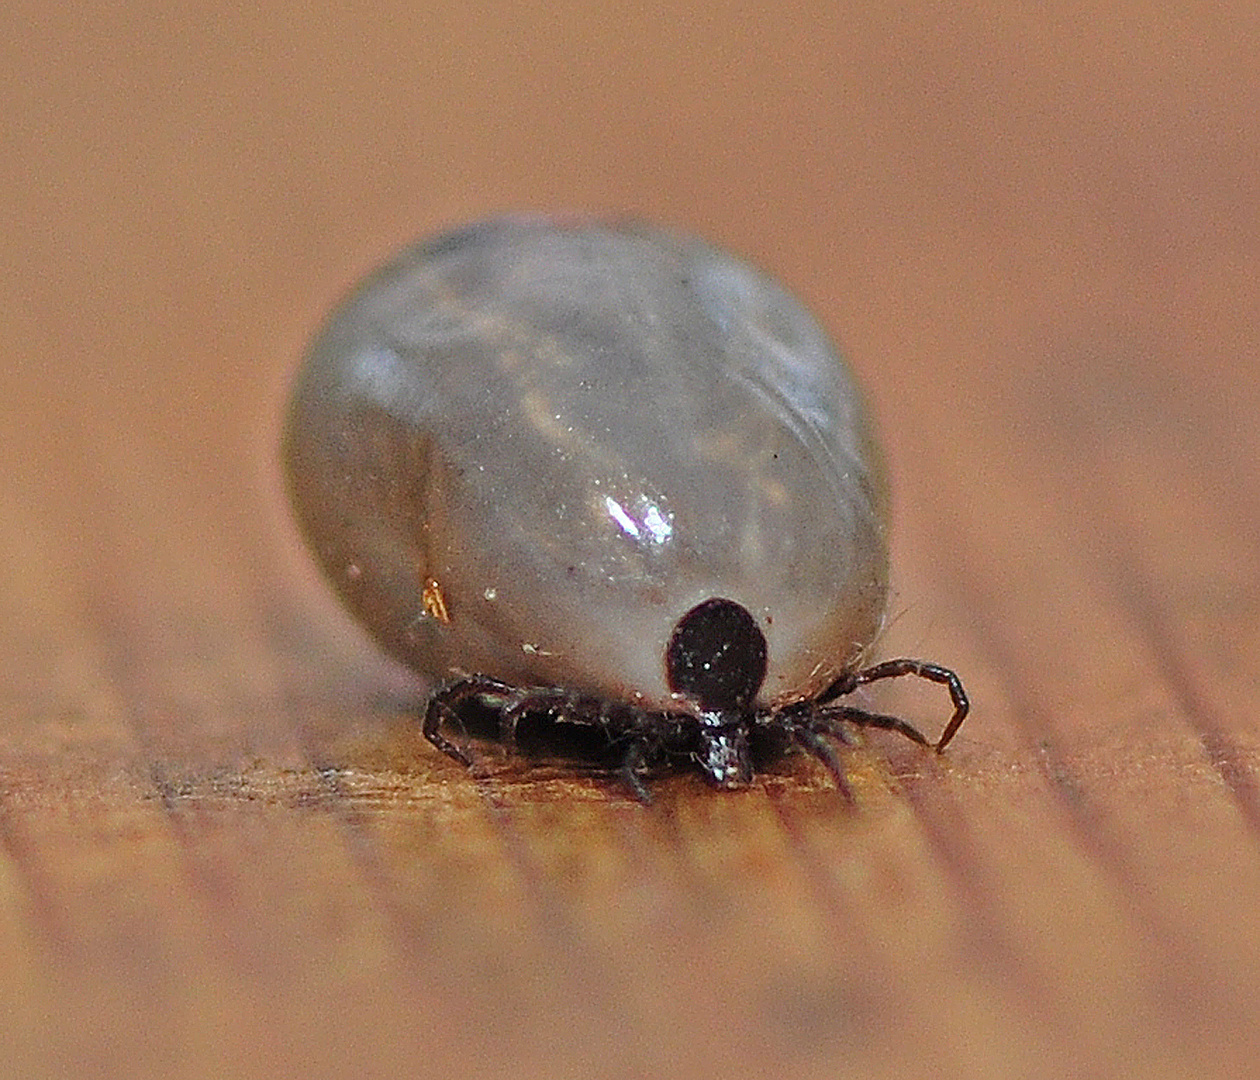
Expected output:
(607, 477)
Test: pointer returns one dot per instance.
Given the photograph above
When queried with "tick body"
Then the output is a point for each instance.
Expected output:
(604, 473)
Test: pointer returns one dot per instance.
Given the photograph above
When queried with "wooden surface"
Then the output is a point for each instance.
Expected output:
(224, 850)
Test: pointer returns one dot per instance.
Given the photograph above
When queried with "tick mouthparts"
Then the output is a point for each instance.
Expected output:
(725, 758)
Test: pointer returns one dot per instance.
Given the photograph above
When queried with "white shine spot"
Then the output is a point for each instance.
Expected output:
(654, 526)
(617, 512)
(657, 524)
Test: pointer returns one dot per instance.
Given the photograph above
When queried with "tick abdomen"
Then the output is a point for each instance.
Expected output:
(570, 434)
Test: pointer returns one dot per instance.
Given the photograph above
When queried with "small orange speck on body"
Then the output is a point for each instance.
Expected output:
(434, 602)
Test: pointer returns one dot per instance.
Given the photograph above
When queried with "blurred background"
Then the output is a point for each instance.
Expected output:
(1009, 222)
(1035, 233)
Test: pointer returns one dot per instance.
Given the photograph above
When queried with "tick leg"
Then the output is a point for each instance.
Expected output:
(831, 720)
(510, 717)
(634, 760)
(516, 703)
(862, 718)
(437, 712)
(444, 706)
(894, 669)
(818, 745)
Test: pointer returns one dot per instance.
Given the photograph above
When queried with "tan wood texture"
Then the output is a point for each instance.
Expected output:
(224, 848)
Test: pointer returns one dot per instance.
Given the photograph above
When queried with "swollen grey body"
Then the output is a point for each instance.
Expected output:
(526, 448)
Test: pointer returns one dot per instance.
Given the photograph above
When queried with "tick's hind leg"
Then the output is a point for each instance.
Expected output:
(817, 744)
(835, 717)
(632, 765)
(895, 669)
(444, 707)
(815, 729)
(629, 729)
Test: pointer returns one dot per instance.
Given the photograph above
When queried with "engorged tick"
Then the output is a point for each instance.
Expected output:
(609, 476)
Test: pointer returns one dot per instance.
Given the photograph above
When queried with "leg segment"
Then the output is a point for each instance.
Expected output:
(862, 718)
(894, 669)
(631, 764)
(817, 744)
(444, 707)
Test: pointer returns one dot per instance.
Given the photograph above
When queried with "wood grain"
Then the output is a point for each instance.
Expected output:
(225, 850)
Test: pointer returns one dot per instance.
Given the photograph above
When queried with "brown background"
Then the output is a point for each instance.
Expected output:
(223, 848)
